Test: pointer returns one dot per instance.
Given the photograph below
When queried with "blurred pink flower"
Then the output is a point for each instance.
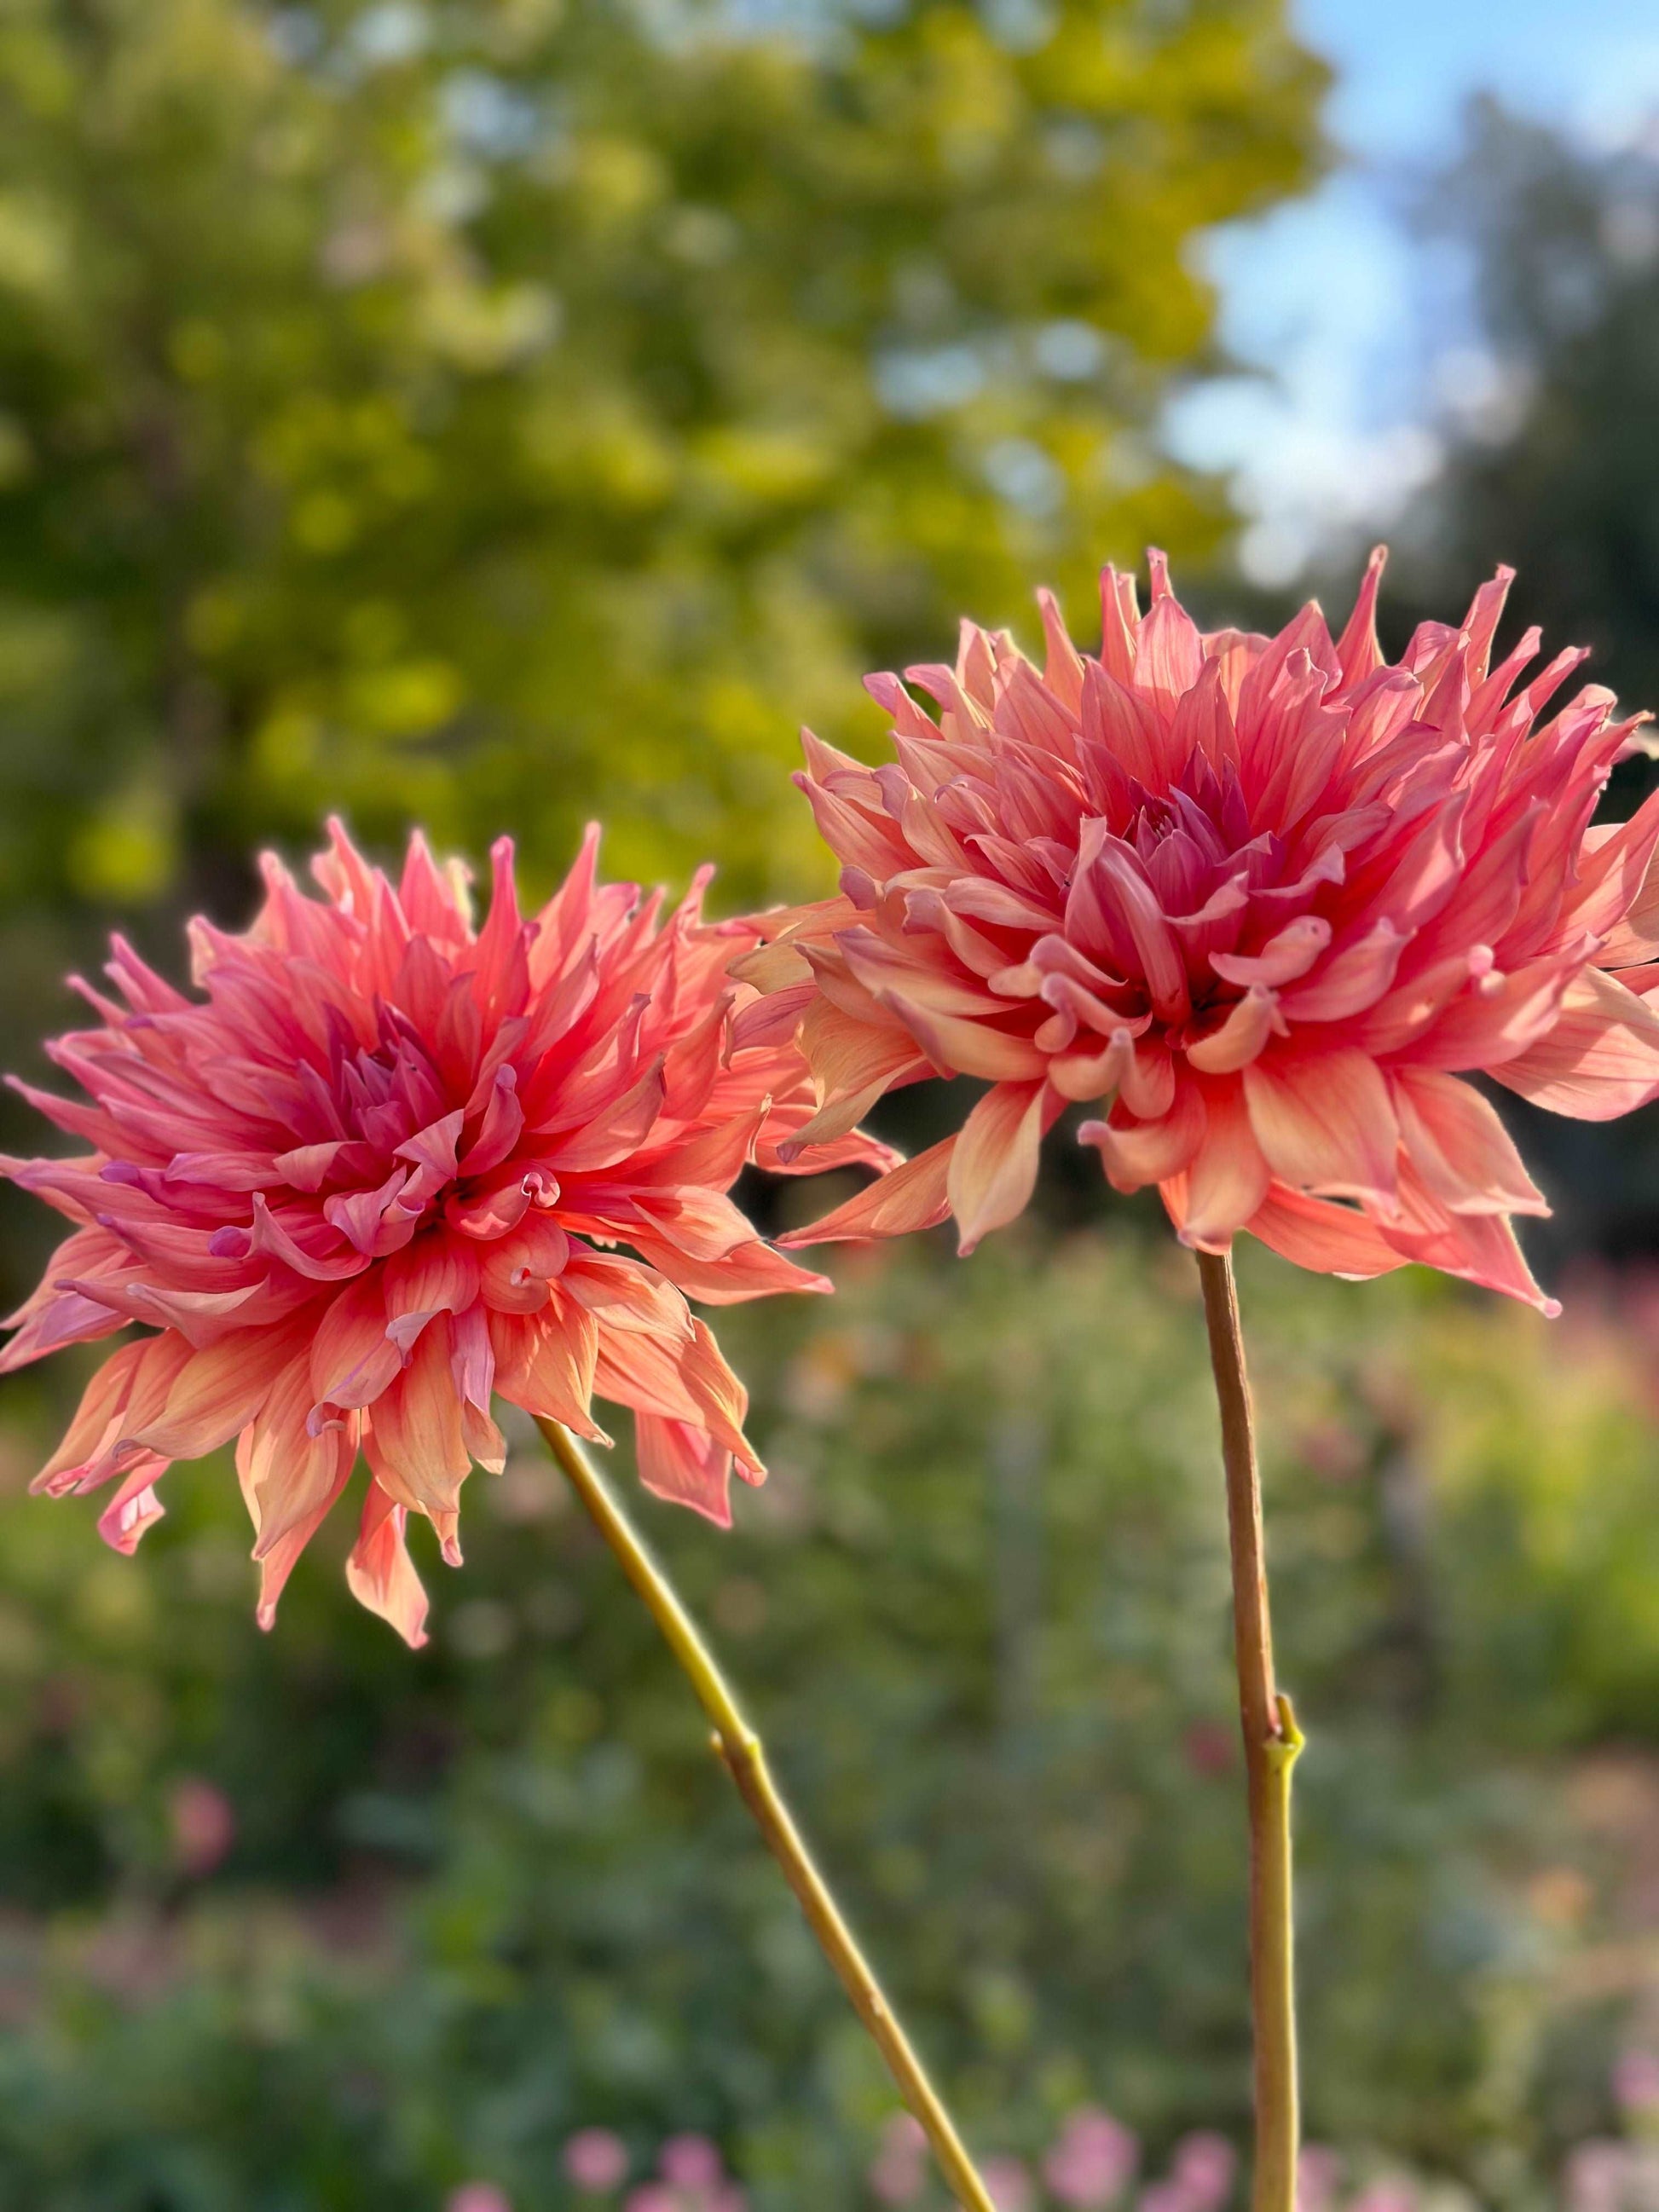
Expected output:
(1636, 2082)
(1392, 2196)
(596, 2160)
(1318, 2176)
(653, 2196)
(1267, 900)
(1092, 2161)
(1202, 2168)
(690, 2161)
(361, 1185)
(1209, 1747)
(1008, 2180)
(899, 2171)
(477, 2197)
(1161, 2196)
(204, 1825)
(1595, 2177)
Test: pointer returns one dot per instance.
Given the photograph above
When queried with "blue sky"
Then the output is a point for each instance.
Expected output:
(1362, 331)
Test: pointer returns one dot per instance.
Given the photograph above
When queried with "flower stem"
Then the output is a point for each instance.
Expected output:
(744, 1755)
(1271, 1740)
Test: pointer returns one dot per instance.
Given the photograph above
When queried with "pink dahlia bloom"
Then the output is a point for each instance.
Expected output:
(1268, 900)
(374, 1177)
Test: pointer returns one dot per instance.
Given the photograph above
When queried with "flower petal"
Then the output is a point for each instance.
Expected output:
(1327, 1238)
(1224, 1183)
(380, 1572)
(992, 1171)
(420, 1452)
(686, 1464)
(1325, 1124)
(914, 1195)
(1134, 1153)
(960, 1046)
(1598, 1060)
(1459, 1146)
(1243, 1037)
(544, 1362)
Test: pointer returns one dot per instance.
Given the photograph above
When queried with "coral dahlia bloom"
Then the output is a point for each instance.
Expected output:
(374, 1178)
(1269, 901)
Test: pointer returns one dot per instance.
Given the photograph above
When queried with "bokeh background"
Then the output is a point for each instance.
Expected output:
(491, 412)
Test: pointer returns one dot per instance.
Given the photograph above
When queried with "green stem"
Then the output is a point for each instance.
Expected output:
(1271, 1740)
(744, 1755)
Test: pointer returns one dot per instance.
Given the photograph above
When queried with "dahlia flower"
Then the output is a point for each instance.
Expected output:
(374, 1177)
(1269, 901)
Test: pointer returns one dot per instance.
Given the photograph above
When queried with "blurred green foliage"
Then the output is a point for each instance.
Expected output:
(489, 411)
(481, 1896)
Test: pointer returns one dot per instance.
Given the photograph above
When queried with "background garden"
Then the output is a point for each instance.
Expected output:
(494, 412)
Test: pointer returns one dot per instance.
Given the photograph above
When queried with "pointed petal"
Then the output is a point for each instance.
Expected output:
(992, 1171)
(685, 1465)
(215, 1393)
(135, 1507)
(1600, 1057)
(421, 1457)
(1481, 1248)
(380, 1572)
(1227, 1180)
(545, 1361)
(1459, 1146)
(960, 1046)
(1325, 1124)
(913, 1197)
(1327, 1238)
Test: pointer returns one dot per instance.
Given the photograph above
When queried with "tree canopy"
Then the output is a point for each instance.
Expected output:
(1555, 466)
(492, 411)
